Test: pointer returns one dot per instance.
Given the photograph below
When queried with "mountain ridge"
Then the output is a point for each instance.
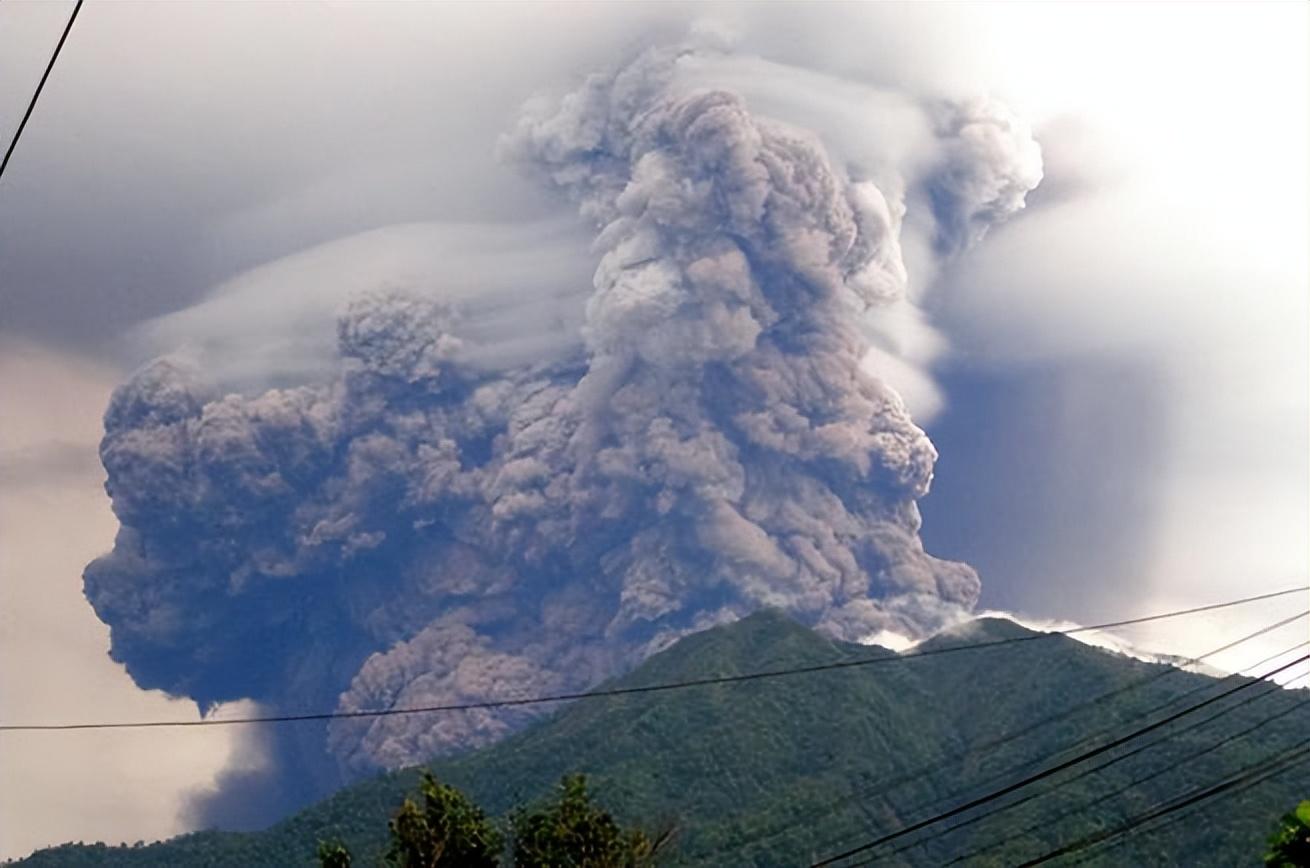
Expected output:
(776, 771)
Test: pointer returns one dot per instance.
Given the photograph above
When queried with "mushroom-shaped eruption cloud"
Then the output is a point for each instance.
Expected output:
(420, 530)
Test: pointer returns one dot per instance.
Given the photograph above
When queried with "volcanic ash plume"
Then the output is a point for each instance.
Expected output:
(423, 531)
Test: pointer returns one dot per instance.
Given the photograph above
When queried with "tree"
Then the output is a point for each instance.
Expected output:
(333, 854)
(449, 830)
(1289, 846)
(571, 832)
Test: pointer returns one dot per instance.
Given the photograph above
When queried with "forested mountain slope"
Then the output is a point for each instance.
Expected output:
(782, 771)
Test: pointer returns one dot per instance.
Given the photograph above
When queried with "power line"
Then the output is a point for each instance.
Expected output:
(1274, 689)
(1223, 742)
(629, 691)
(40, 85)
(1050, 770)
(1097, 769)
(1107, 763)
(1134, 685)
(887, 784)
(1241, 780)
(1087, 742)
(1120, 839)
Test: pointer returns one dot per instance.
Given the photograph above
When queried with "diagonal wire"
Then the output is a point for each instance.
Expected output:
(1134, 783)
(889, 784)
(1186, 812)
(1103, 765)
(1244, 779)
(1274, 689)
(1051, 770)
(629, 691)
(40, 86)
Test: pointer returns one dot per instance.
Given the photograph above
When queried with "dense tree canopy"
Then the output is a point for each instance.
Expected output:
(571, 832)
(568, 831)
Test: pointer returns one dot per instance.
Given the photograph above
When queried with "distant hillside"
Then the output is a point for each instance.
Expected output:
(776, 772)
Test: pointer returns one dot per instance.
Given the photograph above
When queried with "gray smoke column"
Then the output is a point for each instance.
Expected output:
(424, 530)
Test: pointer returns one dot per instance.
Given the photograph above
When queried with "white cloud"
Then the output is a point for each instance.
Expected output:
(1191, 637)
(106, 785)
(519, 289)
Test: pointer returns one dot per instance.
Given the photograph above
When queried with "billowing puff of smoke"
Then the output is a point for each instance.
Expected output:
(421, 531)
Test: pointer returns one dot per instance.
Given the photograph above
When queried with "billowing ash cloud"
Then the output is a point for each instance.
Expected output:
(991, 163)
(426, 530)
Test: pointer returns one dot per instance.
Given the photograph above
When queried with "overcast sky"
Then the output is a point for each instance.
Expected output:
(1120, 396)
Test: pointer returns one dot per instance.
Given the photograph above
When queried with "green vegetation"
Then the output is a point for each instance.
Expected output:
(449, 830)
(1289, 847)
(569, 831)
(773, 772)
(334, 854)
